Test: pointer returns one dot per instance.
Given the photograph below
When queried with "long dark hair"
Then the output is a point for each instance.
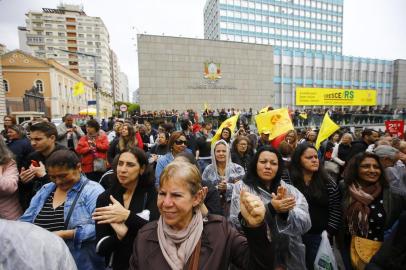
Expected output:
(351, 171)
(317, 185)
(229, 132)
(252, 179)
(130, 140)
(145, 179)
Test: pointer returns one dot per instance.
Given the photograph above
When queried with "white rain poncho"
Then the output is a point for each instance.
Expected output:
(27, 246)
(233, 173)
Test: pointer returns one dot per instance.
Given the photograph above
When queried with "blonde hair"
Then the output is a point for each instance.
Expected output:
(185, 171)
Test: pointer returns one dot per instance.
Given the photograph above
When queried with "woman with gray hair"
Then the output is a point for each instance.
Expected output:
(10, 207)
(341, 152)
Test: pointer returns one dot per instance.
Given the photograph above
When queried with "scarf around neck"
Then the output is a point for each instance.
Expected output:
(178, 246)
(358, 211)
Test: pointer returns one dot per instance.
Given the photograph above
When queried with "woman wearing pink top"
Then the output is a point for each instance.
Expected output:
(10, 207)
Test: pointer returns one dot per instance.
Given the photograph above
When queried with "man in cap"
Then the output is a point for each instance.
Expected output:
(264, 138)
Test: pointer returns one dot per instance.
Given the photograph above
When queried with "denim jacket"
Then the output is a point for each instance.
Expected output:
(81, 220)
(162, 162)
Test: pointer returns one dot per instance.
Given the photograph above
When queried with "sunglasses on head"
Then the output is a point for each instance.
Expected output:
(180, 142)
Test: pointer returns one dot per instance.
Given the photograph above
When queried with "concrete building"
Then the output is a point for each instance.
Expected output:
(124, 91)
(63, 34)
(21, 71)
(115, 76)
(182, 73)
(301, 24)
(296, 68)
(2, 93)
(135, 96)
(399, 84)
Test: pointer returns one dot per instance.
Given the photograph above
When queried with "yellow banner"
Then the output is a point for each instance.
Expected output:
(331, 96)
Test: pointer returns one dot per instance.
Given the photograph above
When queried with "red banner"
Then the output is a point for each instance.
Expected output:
(395, 127)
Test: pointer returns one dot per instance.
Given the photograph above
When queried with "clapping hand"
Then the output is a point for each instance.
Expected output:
(26, 175)
(222, 186)
(252, 209)
(281, 202)
(113, 213)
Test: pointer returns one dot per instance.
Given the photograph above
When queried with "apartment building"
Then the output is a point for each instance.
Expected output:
(77, 41)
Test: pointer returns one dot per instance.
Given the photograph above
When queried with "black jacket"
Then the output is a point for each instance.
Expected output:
(107, 241)
(28, 190)
(21, 148)
(392, 254)
(357, 147)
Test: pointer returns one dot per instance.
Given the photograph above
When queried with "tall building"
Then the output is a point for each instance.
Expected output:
(301, 24)
(115, 76)
(65, 32)
(124, 91)
(135, 96)
(399, 83)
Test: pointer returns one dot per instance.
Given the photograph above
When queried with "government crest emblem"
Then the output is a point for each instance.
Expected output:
(212, 71)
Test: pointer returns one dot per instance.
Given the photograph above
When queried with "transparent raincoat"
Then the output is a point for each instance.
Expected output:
(285, 233)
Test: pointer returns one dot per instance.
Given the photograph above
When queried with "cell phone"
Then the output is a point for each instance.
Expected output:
(34, 163)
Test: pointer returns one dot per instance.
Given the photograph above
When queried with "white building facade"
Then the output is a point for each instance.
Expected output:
(124, 88)
(63, 34)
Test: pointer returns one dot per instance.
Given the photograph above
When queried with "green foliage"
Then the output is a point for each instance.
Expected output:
(131, 107)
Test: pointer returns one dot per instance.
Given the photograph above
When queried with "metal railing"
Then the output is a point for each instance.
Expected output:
(313, 121)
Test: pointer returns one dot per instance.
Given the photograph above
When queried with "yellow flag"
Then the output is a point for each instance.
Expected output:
(303, 115)
(78, 89)
(264, 110)
(206, 106)
(276, 121)
(327, 128)
(230, 123)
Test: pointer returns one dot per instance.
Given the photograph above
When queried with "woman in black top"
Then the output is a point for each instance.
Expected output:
(123, 209)
(241, 152)
(322, 195)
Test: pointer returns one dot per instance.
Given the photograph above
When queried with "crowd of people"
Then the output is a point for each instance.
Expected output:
(124, 194)
(300, 117)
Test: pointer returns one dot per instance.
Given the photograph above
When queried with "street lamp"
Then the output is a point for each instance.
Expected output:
(95, 74)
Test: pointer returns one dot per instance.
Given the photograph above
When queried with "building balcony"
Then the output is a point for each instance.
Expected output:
(37, 27)
(35, 40)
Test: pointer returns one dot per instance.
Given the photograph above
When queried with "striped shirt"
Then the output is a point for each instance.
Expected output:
(49, 218)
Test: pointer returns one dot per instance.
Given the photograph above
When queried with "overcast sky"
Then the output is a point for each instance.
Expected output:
(372, 28)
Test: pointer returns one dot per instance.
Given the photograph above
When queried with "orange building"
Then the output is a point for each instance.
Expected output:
(22, 71)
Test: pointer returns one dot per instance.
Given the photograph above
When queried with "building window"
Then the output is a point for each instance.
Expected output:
(319, 73)
(6, 86)
(347, 74)
(39, 85)
(298, 71)
(309, 73)
(287, 71)
(277, 72)
(329, 73)
(338, 75)
(364, 76)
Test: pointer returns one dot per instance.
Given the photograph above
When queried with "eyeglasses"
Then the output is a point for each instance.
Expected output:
(180, 142)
